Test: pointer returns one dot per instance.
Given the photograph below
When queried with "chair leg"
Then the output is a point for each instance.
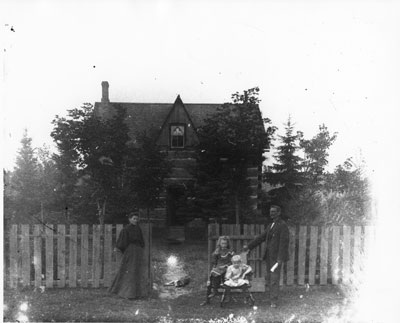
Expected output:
(221, 303)
(252, 300)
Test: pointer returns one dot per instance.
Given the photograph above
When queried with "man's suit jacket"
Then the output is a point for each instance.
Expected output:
(277, 239)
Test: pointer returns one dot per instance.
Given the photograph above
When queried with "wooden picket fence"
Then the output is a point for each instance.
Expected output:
(49, 256)
(317, 255)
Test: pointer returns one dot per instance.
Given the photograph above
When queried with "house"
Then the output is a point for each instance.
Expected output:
(176, 124)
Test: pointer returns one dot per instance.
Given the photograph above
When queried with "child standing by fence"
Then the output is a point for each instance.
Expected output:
(221, 259)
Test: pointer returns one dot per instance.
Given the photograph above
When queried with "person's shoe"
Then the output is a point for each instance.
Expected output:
(211, 295)
(205, 303)
(273, 305)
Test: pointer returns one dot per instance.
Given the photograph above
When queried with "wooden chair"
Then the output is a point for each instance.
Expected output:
(244, 290)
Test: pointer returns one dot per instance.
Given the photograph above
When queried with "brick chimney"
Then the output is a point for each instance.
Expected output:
(104, 92)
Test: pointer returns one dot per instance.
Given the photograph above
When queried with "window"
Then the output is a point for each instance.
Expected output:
(177, 136)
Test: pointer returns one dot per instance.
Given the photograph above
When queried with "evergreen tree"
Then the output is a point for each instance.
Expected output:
(286, 171)
(25, 182)
(48, 176)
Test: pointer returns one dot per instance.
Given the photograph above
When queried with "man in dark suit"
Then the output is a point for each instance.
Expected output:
(276, 237)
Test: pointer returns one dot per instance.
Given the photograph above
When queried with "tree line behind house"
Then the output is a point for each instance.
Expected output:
(98, 172)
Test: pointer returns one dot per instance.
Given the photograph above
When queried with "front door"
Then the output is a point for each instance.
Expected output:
(176, 202)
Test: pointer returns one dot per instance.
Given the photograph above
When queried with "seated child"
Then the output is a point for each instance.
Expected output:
(221, 259)
(236, 273)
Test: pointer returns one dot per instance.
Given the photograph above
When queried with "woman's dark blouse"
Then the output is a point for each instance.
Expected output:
(131, 234)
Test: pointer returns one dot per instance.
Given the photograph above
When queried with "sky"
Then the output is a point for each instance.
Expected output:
(331, 62)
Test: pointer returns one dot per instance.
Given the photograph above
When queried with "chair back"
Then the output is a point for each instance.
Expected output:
(243, 256)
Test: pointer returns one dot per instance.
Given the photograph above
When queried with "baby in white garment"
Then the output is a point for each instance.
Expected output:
(236, 273)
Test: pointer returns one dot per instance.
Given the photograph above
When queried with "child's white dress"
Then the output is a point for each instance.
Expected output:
(234, 275)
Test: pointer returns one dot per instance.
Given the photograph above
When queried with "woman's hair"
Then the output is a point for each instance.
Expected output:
(220, 239)
(133, 213)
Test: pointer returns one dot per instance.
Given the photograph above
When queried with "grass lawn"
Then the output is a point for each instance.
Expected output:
(170, 304)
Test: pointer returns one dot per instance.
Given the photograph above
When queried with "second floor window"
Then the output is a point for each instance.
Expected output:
(177, 136)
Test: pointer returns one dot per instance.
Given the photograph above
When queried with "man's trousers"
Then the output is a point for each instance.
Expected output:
(272, 282)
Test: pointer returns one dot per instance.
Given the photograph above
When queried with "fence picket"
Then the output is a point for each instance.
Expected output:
(147, 260)
(14, 256)
(61, 255)
(335, 255)
(37, 254)
(26, 255)
(346, 254)
(237, 247)
(312, 260)
(84, 254)
(302, 255)
(107, 254)
(49, 256)
(150, 265)
(259, 229)
(357, 254)
(96, 256)
(73, 242)
(118, 254)
(211, 230)
(290, 263)
(323, 264)
(350, 249)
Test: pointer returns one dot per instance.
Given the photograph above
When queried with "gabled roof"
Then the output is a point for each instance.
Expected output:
(142, 116)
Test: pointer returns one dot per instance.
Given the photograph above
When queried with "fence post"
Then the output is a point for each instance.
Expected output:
(312, 260)
(357, 255)
(14, 256)
(323, 264)
(107, 254)
(290, 263)
(335, 254)
(37, 254)
(84, 254)
(302, 255)
(61, 255)
(96, 256)
(73, 241)
(26, 255)
(118, 254)
(346, 254)
(49, 256)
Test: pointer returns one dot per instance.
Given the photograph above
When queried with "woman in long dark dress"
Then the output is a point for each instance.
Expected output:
(130, 281)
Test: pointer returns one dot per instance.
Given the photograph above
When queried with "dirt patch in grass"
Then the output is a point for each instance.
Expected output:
(172, 262)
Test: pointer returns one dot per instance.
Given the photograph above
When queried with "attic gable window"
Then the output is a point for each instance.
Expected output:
(177, 136)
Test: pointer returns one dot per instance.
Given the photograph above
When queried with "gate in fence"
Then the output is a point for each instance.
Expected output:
(317, 255)
(66, 255)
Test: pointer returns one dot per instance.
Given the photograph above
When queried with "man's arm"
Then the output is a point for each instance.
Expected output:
(254, 243)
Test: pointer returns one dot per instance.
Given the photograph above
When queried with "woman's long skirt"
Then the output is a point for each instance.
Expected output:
(130, 281)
